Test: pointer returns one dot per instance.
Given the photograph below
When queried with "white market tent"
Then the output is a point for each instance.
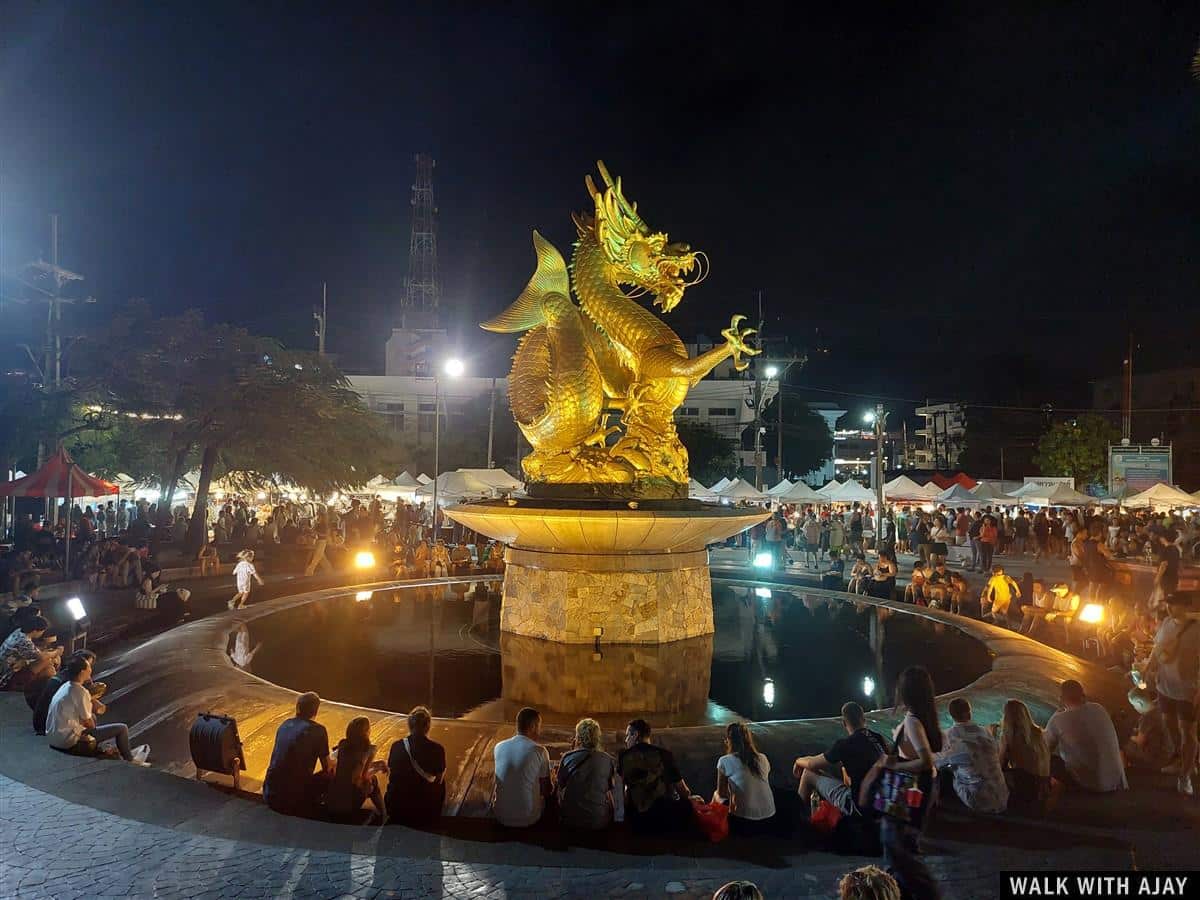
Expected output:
(994, 490)
(455, 486)
(929, 491)
(1161, 498)
(720, 486)
(852, 492)
(499, 480)
(957, 495)
(405, 480)
(828, 490)
(1034, 494)
(424, 479)
(742, 490)
(903, 488)
(801, 493)
(781, 488)
(697, 491)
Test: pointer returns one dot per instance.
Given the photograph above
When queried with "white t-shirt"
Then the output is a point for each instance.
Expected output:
(750, 793)
(1086, 741)
(242, 572)
(521, 764)
(70, 707)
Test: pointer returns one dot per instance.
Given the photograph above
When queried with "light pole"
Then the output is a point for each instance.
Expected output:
(454, 368)
(771, 371)
(878, 417)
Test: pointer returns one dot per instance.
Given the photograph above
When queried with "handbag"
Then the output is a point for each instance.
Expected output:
(899, 796)
(825, 818)
(712, 819)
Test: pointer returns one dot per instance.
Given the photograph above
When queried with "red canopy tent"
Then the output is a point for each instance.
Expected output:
(60, 477)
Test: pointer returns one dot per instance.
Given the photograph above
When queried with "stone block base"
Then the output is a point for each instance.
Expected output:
(633, 598)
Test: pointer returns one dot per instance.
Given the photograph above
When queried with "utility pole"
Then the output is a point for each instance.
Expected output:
(880, 417)
(779, 425)
(491, 463)
(322, 319)
(758, 399)
(1127, 405)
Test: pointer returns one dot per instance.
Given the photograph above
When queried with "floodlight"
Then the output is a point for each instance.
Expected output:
(364, 559)
(769, 692)
(363, 595)
(869, 417)
(763, 560)
(454, 367)
(764, 593)
(1092, 613)
(772, 371)
(868, 686)
(75, 606)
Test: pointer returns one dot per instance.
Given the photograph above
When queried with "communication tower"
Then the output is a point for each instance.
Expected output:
(422, 290)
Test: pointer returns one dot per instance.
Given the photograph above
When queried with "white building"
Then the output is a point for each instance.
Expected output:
(942, 437)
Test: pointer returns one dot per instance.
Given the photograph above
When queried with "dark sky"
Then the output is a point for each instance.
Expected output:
(959, 201)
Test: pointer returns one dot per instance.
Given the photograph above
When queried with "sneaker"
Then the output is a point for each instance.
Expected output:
(230, 604)
(1184, 785)
(140, 763)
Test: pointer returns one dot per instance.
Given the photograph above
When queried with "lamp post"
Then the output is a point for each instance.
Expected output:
(877, 418)
(771, 371)
(454, 368)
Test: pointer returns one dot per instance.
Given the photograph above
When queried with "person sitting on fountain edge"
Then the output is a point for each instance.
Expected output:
(821, 776)
(656, 796)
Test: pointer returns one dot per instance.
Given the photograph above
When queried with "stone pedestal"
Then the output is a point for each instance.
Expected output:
(631, 598)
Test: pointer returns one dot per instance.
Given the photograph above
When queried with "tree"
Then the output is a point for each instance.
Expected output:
(807, 443)
(711, 456)
(1077, 448)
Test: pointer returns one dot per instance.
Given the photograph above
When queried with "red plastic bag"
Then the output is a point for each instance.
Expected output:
(826, 817)
(713, 819)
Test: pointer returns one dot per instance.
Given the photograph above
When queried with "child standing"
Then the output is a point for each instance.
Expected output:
(242, 573)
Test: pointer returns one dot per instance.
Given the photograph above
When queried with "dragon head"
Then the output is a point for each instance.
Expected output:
(636, 255)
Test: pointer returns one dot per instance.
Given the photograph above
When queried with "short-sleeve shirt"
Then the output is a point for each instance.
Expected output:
(521, 764)
(648, 772)
(751, 796)
(410, 798)
(1086, 741)
(18, 649)
(299, 745)
(857, 753)
(585, 778)
(69, 710)
(1179, 673)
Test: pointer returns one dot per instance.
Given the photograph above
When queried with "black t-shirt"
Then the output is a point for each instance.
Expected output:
(410, 798)
(858, 752)
(648, 772)
(1170, 577)
(974, 528)
(299, 744)
(1021, 527)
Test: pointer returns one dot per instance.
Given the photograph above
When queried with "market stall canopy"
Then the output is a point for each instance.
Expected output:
(741, 490)
(930, 490)
(903, 488)
(59, 477)
(405, 480)
(424, 479)
(994, 490)
(801, 493)
(833, 485)
(720, 486)
(499, 480)
(1161, 497)
(781, 488)
(455, 486)
(697, 491)
(957, 495)
(852, 492)
(1034, 494)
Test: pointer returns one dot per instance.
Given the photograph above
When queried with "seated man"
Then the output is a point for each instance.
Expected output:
(70, 721)
(1034, 612)
(290, 786)
(972, 754)
(855, 755)
(937, 586)
(21, 662)
(1086, 752)
(522, 774)
(416, 788)
(656, 796)
(833, 578)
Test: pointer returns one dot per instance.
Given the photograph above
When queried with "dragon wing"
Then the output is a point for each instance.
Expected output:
(550, 277)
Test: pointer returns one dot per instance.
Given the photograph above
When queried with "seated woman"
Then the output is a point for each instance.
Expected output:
(584, 780)
(440, 560)
(417, 781)
(883, 579)
(833, 578)
(1024, 755)
(742, 782)
(209, 559)
(21, 660)
(860, 574)
(914, 592)
(354, 772)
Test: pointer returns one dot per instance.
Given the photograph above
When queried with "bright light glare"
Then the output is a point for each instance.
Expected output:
(363, 595)
(763, 560)
(769, 692)
(1092, 613)
(868, 686)
(364, 559)
(765, 593)
(75, 606)
(454, 367)
(772, 371)
(869, 417)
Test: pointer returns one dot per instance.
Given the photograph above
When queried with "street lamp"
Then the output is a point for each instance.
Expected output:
(769, 372)
(453, 367)
(878, 418)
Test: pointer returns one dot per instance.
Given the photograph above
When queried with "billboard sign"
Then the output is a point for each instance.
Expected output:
(1051, 480)
(1133, 469)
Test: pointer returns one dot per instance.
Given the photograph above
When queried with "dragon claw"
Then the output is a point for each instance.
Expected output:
(735, 338)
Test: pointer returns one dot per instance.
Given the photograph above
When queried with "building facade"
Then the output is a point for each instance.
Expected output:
(941, 440)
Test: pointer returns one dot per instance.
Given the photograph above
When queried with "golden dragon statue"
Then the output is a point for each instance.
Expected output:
(596, 379)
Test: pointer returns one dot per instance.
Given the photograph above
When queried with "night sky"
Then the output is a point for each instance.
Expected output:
(961, 201)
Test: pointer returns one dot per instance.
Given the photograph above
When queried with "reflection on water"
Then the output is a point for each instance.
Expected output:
(776, 654)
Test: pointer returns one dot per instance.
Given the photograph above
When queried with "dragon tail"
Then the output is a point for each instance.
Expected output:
(527, 311)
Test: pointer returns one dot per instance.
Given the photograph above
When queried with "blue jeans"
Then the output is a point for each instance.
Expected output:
(974, 553)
